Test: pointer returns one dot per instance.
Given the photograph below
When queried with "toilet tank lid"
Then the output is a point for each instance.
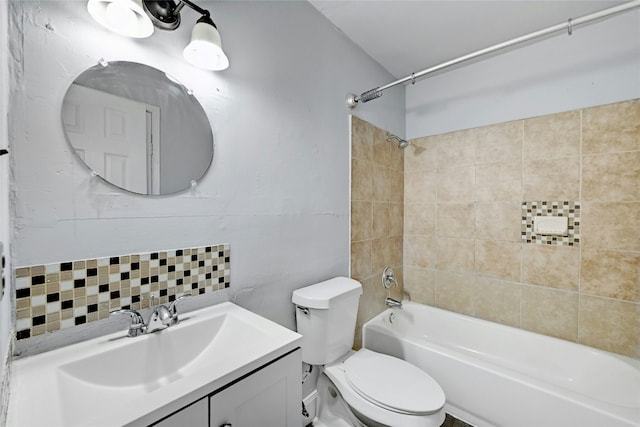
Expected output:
(321, 294)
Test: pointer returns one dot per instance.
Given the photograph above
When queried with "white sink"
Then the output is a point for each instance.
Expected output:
(118, 380)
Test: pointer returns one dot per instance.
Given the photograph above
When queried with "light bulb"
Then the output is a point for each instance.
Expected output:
(125, 17)
(121, 17)
(205, 49)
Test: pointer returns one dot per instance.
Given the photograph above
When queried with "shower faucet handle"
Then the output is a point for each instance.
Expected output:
(388, 278)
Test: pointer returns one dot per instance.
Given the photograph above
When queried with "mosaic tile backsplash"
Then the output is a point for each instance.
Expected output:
(570, 209)
(57, 296)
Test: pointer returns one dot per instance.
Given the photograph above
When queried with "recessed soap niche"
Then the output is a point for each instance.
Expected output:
(551, 223)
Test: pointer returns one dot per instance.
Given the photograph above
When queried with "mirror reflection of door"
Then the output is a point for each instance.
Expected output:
(117, 137)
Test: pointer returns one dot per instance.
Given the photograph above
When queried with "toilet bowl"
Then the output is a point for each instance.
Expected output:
(378, 390)
(383, 390)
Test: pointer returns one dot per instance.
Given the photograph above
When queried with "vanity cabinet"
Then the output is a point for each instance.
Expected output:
(194, 415)
(269, 396)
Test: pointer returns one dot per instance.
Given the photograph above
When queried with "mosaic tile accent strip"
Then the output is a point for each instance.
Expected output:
(62, 295)
(551, 208)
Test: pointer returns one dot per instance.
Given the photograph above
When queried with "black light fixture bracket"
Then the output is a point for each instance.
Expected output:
(165, 14)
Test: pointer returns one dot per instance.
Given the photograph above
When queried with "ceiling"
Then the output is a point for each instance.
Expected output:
(409, 36)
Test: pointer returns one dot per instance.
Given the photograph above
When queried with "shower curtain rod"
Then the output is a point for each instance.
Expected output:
(353, 99)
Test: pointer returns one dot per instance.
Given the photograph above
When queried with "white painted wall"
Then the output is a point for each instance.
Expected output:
(278, 189)
(598, 64)
(6, 303)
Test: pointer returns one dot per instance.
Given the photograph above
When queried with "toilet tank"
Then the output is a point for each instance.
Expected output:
(326, 317)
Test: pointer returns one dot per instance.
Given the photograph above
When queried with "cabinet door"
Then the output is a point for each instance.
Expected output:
(268, 398)
(195, 415)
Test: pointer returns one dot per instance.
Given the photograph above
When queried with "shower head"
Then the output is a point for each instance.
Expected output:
(402, 143)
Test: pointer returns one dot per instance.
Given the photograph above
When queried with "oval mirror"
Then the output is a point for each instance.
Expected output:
(137, 128)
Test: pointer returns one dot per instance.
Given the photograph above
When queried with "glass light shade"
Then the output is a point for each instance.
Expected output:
(205, 49)
(125, 17)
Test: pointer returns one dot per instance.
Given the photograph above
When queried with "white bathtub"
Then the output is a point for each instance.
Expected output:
(496, 375)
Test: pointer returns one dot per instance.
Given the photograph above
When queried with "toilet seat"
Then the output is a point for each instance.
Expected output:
(369, 371)
(393, 383)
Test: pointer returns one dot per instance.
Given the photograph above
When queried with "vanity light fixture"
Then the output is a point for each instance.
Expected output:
(136, 18)
(125, 17)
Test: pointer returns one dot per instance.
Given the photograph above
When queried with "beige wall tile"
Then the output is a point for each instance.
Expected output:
(555, 179)
(381, 220)
(455, 254)
(396, 156)
(610, 325)
(383, 254)
(371, 303)
(611, 177)
(395, 260)
(456, 184)
(397, 218)
(420, 218)
(361, 180)
(396, 186)
(420, 284)
(420, 187)
(498, 301)
(422, 154)
(610, 225)
(553, 136)
(381, 148)
(550, 312)
(419, 251)
(361, 139)
(499, 181)
(361, 220)
(456, 149)
(611, 128)
(455, 220)
(499, 221)
(498, 259)
(455, 292)
(496, 185)
(381, 184)
(498, 143)
(611, 274)
(361, 259)
(551, 266)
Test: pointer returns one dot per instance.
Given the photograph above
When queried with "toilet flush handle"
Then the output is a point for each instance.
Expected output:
(305, 310)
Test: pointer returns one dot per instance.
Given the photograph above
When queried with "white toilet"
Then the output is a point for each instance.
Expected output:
(379, 390)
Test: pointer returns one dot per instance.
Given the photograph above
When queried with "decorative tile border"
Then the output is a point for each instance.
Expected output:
(62, 295)
(554, 208)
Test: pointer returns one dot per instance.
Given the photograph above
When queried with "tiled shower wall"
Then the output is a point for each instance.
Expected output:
(376, 215)
(66, 294)
(466, 196)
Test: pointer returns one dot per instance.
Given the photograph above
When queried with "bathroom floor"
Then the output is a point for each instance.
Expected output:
(451, 421)
(448, 422)
(335, 423)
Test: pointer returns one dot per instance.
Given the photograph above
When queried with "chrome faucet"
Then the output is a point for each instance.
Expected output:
(161, 317)
(137, 326)
(392, 303)
(389, 280)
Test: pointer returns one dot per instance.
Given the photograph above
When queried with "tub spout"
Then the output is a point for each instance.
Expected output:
(393, 303)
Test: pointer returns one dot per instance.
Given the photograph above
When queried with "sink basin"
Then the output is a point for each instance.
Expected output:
(156, 359)
(117, 380)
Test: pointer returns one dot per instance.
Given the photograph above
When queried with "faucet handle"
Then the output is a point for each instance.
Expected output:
(174, 310)
(388, 278)
(137, 325)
